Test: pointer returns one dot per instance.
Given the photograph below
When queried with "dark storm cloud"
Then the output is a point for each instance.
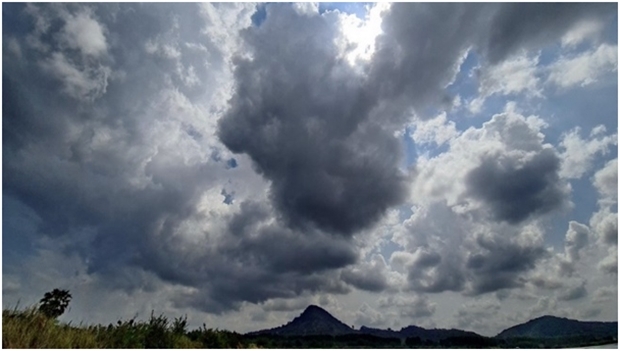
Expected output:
(574, 292)
(255, 260)
(419, 52)
(303, 116)
(516, 26)
(101, 176)
(281, 249)
(365, 280)
(497, 264)
(234, 285)
(427, 259)
(545, 282)
(445, 275)
(513, 193)
(500, 265)
(369, 277)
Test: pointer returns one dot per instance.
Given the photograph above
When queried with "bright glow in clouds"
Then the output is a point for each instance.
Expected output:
(362, 33)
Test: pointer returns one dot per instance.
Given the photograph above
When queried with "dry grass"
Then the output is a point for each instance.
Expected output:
(33, 330)
(30, 329)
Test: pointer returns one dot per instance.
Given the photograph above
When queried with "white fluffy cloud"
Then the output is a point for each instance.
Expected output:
(437, 130)
(84, 76)
(606, 182)
(579, 154)
(517, 75)
(582, 31)
(604, 222)
(469, 237)
(84, 33)
(576, 239)
(584, 68)
(504, 147)
(83, 82)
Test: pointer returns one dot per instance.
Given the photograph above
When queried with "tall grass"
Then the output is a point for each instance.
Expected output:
(31, 329)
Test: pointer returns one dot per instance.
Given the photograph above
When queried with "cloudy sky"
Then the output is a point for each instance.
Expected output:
(442, 165)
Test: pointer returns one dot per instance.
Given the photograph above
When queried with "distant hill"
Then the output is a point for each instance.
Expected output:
(413, 331)
(547, 331)
(379, 332)
(434, 334)
(317, 321)
(557, 327)
(313, 321)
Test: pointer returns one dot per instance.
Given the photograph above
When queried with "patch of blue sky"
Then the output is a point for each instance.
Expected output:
(357, 8)
(260, 15)
(550, 54)
(584, 198)
(585, 108)
(388, 248)
(463, 84)
(411, 153)
(428, 150)
(493, 105)
(610, 33)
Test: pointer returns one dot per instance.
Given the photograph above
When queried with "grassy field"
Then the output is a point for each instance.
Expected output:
(30, 328)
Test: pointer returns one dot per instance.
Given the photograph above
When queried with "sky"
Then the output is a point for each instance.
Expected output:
(444, 165)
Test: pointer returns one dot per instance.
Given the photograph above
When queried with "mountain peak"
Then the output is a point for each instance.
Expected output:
(549, 318)
(313, 321)
(316, 314)
(315, 310)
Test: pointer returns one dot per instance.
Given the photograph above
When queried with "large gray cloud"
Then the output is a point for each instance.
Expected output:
(500, 263)
(418, 55)
(423, 44)
(475, 227)
(368, 276)
(514, 192)
(121, 177)
(303, 116)
(283, 250)
(517, 26)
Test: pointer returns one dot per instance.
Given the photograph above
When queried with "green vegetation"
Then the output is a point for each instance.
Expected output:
(37, 327)
(32, 329)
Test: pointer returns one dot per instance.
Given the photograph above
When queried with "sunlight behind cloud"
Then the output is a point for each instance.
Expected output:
(362, 33)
